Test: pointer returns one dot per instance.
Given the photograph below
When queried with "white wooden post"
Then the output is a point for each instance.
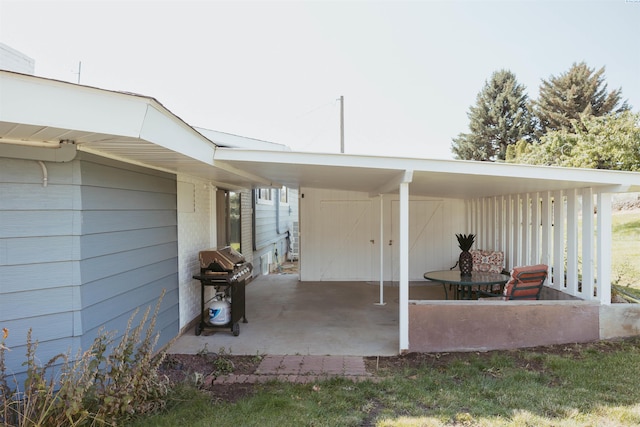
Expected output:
(604, 248)
(500, 224)
(546, 250)
(493, 234)
(558, 240)
(526, 229)
(510, 260)
(535, 228)
(517, 229)
(572, 242)
(587, 244)
(381, 252)
(404, 267)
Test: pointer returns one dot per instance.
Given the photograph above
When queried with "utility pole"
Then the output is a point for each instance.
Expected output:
(79, 70)
(341, 124)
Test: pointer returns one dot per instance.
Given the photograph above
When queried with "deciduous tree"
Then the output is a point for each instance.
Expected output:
(606, 142)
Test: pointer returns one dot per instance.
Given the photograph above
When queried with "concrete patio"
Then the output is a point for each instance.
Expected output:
(289, 317)
(286, 316)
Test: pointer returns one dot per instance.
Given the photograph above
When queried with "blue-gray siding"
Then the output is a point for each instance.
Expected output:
(269, 219)
(84, 252)
(130, 228)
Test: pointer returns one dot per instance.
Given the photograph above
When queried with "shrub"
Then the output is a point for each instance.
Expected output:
(104, 385)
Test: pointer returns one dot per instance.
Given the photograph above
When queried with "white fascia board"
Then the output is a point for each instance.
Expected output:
(551, 173)
(311, 159)
(623, 181)
(42, 102)
(237, 141)
(172, 134)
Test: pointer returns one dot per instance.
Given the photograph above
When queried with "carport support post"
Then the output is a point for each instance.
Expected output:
(381, 253)
(404, 264)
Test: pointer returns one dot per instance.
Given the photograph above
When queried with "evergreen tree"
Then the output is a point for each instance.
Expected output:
(578, 92)
(500, 118)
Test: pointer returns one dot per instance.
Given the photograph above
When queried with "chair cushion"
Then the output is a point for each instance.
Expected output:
(487, 261)
(521, 273)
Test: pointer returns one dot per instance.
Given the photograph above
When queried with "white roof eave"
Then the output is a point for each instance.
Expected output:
(140, 130)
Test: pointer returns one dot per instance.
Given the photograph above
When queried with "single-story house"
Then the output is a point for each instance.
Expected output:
(107, 197)
(87, 237)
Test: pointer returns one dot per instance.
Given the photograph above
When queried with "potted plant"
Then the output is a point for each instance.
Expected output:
(465, 262)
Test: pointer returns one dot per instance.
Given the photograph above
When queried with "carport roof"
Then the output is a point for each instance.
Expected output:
(138, 129)
(437, 178)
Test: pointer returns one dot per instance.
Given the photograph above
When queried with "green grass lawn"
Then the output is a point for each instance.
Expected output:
(587, 385)
(626, 248)
(576, 385)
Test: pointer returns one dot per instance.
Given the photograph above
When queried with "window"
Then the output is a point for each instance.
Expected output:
(229, 214)
(265, 195)
(284, 196)
(235, 221)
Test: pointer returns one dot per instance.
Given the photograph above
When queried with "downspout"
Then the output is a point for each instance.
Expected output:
(253, 220)
(45, 174)
(275, 245)
(277, 202)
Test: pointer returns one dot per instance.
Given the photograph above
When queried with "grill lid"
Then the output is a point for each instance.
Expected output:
(222, 259)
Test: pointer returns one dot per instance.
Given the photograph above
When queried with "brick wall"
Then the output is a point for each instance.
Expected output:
(194, 234)
(247, 242)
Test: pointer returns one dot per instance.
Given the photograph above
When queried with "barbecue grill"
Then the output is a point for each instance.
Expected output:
(227, 271)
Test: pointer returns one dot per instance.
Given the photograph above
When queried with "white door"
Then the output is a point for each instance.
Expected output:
(346, 234)
(427, 247)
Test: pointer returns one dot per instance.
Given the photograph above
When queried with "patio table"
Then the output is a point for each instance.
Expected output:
(464, 285)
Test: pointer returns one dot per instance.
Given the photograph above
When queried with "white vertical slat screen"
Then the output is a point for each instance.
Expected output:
(552, 228)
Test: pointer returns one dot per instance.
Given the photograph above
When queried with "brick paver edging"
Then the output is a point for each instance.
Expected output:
(300, 369)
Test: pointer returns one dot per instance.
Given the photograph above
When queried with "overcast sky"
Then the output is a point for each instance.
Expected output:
(409, 71)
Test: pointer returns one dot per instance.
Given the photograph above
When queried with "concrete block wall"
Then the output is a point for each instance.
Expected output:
(619, 320)
(437, 326)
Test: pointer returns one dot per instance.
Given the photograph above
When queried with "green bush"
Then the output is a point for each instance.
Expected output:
(103, 385)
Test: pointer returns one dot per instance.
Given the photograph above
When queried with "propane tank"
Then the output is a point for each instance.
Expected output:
(219, 313)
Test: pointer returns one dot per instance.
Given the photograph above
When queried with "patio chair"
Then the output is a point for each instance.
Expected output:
(525, 284)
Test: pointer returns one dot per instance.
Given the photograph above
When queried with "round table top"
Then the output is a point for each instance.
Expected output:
(476, 278)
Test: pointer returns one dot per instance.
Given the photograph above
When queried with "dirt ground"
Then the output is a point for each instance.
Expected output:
(193, 368)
